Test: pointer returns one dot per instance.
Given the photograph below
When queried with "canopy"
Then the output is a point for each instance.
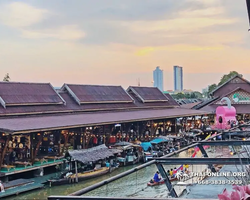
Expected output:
(158, 140)
(93, 154)
(146, 145)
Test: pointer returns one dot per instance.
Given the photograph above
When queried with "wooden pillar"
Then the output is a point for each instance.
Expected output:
(59, 143)
(152, 128)
(65, 142)
(37, 148)
(138, 130)
(31, 146)
(4, 150)
(164, 128)
(76, 171)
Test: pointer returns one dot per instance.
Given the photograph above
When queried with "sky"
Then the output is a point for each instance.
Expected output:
(116, 42)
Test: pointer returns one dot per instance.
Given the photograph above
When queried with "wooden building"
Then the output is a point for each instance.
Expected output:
(39, 124)
(237, 89)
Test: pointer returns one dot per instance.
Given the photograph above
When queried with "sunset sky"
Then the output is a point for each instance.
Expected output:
(116, 42)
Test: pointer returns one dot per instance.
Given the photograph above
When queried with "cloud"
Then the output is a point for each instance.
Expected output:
(71, 32)
(24, 17)
(19, 15)
(177, 48)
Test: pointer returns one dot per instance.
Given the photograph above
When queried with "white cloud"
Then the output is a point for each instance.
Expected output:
(71, 32)
(22, 16)
(19, 15)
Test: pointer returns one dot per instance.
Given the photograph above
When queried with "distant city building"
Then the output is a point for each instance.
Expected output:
(158, 78)
(178, 78)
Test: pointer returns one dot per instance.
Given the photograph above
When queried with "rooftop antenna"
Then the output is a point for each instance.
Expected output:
(248, 10)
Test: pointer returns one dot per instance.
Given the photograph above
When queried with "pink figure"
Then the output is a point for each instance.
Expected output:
(225, 115)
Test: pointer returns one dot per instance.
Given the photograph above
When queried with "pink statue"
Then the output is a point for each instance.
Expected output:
(225, 115)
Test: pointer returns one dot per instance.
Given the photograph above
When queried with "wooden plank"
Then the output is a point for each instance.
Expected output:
(4, 150)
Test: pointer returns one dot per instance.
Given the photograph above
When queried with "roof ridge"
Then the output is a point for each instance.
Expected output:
(75, 84)
(10, 82)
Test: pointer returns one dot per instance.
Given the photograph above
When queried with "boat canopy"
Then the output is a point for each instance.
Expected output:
(158, 140)
(146, 145)
(93, 154)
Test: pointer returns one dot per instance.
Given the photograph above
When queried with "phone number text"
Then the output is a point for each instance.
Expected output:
(220, 182)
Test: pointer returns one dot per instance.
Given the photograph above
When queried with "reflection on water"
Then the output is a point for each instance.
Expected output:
(133, 185)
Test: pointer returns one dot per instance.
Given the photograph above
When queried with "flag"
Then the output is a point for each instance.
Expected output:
(179, 168)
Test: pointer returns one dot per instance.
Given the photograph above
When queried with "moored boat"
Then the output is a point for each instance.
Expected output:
(88, 163)
(81, 176)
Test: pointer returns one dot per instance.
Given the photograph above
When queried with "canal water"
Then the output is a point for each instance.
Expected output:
(133, 185)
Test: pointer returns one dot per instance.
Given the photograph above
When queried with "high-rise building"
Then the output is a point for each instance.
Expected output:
(178, 78)
(158, 78)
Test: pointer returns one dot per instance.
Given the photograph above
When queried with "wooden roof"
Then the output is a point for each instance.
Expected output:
(65, 121)
(148, 94)
(94, 94)
(16, 93)
(231, 84)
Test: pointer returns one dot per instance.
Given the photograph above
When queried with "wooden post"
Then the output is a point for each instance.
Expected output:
(4, 150)
(164, 128)
(76, 171)
(37, 148)
(59, 144)
(152, 128)
(138, 130)
(65, 142)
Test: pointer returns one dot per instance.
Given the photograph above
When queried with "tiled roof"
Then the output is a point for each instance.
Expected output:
(15, 93)
(230, 85)
(46, 123)
(148, 94)
(84, 94)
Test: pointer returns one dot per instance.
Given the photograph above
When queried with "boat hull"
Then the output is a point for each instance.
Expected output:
(161, 182)
(81, 176)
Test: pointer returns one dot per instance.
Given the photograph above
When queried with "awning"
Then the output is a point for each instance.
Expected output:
(146, 145)
(66, 121)
(92, 154)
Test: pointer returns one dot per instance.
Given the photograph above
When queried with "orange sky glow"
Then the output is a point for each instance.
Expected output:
(95, 42)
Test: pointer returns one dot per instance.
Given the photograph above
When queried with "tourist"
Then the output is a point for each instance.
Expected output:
(1, 187)
(156, 177)
(171, 172)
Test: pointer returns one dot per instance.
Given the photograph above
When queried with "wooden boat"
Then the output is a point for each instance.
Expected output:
(81, 176)
(161, 182)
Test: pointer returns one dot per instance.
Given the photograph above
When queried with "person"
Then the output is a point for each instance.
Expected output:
(168, 172)
(171, 172)
(1, 187)
(156, 177)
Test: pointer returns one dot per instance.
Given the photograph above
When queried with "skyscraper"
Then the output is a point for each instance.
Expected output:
(158, 78)
(178, 78)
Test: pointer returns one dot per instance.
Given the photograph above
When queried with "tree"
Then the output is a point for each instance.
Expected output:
(6, 78)
(226, 77)
(211, 87)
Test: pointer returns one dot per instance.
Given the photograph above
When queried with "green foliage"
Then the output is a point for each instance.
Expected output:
(192, 95)
(226, 77)
(223, 79)
(212, 87)
(6, 78)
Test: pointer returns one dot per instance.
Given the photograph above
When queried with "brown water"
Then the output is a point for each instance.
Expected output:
(133, 185)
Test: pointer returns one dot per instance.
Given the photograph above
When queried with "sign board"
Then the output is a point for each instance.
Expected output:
(237, 98)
